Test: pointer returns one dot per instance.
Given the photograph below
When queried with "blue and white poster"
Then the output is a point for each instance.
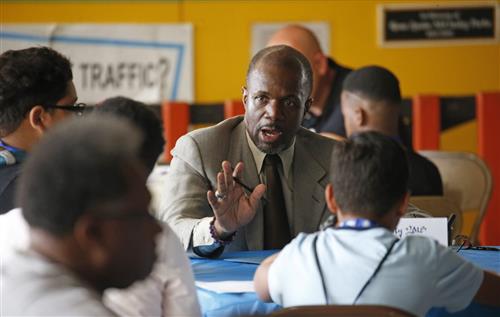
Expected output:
(147, 62)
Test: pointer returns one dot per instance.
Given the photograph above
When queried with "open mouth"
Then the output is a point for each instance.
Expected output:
(270, 134)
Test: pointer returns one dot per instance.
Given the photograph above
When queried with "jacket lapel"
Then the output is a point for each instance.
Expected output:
(309, 180)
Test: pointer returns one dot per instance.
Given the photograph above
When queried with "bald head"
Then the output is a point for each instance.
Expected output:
(298, 37)
(303, 40)
(282, 56)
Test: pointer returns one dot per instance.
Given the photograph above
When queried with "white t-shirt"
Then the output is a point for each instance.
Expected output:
(168, 291)
(35, 286)
(13, 234)
(417, 275)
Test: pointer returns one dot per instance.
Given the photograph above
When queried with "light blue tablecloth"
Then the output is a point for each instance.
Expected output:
(232, 266)
(230, 304)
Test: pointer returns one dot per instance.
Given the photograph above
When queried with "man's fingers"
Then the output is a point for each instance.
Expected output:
(212, 200)
(257, 194)
(221, 184)
(228, 174)
(238, 169)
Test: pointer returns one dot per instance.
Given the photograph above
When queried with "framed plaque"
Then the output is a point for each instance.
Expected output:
(440, 23)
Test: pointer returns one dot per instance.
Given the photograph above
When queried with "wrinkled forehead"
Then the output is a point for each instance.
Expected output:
(276, 76)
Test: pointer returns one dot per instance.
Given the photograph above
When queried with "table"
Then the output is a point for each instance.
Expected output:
(230, 304)
(241, 266)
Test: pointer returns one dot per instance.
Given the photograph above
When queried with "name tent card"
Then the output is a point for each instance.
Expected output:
(435, 228)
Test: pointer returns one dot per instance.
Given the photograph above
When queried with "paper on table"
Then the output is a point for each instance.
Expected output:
(227, 286)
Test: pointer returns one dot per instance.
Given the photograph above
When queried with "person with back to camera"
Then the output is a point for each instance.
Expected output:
(204, 202)
(360, 260)
(89, 225)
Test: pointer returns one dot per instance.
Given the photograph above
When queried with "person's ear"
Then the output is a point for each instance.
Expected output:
(244, 97)
(89, 234)
(330, 199)
(360, 116)
(38, 118)
(308, 105)
(321, 63)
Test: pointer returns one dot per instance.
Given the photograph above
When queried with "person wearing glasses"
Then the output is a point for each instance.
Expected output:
(89, 224)
(36, 93)
(360, 260)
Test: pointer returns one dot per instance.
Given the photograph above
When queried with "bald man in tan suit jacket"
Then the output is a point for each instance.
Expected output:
(209, 211)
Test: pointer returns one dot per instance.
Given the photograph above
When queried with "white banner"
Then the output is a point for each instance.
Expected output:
(150, 63)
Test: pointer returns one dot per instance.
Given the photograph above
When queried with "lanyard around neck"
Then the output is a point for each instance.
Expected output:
(377, 269)
(10, 155)
(358, 224)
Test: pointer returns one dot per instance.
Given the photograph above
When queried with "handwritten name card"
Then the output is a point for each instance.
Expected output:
(435, 228)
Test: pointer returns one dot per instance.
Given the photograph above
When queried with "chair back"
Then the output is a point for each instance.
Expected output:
(466, 180)
(440, 206)
(342, 311)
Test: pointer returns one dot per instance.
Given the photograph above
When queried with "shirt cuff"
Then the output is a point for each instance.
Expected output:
(202, 242)
(201, 233)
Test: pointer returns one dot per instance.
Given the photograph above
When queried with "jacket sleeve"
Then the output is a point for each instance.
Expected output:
(184, 203)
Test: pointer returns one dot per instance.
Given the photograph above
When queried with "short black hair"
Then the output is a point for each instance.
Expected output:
(30, 77)
(369, 174)
(145, 119)
(77, 166)
(375, 83)
(287, 57)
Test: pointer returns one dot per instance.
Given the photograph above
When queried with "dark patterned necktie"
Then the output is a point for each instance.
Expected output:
(276, 229)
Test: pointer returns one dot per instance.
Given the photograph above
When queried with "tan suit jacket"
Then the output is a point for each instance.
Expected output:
(197, 159)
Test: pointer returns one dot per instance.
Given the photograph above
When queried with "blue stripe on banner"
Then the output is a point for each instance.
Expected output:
(101, 41)
(178, 72)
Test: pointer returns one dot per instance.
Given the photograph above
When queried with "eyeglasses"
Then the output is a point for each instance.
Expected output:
(464, 243)
(78, 108)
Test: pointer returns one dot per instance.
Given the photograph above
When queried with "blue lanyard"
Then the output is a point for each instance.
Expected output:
(358, 224)
(10, 148)
(18, 154)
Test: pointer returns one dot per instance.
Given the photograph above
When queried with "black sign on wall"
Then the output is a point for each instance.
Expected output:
(400, 25)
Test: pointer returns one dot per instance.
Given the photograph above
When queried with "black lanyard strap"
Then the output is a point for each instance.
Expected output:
(376, 270)
(319, 268)
(325, 290)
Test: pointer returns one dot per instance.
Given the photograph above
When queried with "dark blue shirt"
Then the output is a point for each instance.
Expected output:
(331, 120)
